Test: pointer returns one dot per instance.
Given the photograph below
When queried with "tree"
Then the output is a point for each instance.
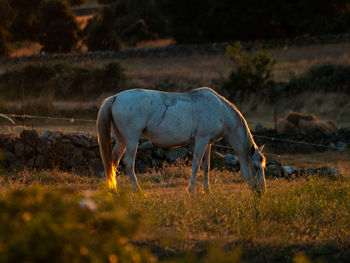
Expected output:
(58, 30)
(116, 23)
(25, 25)
(6, 14)
(75, 2)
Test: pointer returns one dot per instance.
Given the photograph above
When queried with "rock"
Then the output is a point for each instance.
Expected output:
(56, 134)
(333, 172)
(67, 163)
(29, 137)
(190, 148)
(78, 158)
(259, 128)
(341, 145)
(174, 154)
(147, 145)
(38, 161)
(160, 153)
(41, 162)
(332, 145)
(231, 159)
(4, 138)
(96, 166)
(45, 134)
(156, 162)
(289, 170)
(43, 147)
(140, 166)
(231, 162)
(63, 148)
(89, 154)
(274, 170)
(21, 149)
(80, 141)
(9, 156)
(8, 144)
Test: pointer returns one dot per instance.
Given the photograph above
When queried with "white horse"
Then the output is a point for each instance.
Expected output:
(200, 116)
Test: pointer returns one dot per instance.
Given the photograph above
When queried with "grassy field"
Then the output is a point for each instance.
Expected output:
(80, 220)
(295, 221)
(183, 72)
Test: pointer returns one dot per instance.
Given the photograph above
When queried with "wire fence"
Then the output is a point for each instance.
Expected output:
(10, 117)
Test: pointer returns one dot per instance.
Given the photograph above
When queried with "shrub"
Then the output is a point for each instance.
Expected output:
(250, 73)
(50, 22)
(63, 79)
(326, 78)
(6, 14)
(117, 23)
(58, 30)
(38, 225)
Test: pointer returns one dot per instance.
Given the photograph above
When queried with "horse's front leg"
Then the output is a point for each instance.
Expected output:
(129, 161)
(205, 166)
(199, 148)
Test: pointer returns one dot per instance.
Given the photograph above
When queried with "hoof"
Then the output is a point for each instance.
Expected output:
(140, 193)
(137, 189)
(190, 189)
(206, 190)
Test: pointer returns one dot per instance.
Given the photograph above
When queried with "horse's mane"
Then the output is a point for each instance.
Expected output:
(249, 141)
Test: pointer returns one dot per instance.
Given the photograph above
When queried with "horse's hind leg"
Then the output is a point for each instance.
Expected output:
(118, 151)
(205, 166)
(199, 148)
(129, 161)
(119, 147)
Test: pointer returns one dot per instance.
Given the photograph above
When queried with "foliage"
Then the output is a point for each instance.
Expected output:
(206, 20)
(251, 73)
(50, 22)
(26, 24)
(61, 79)
(6, 13)
(116, 24)
(58, 31)
(74, 3)
(38, 225)
(325, 78)
(289, 223)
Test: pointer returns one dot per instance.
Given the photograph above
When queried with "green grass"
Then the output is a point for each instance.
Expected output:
(294, 221)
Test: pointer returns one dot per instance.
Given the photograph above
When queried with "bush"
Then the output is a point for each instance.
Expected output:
(38, 225)
(58, 30)
(250, 73)
(325, 78)
(6, 19)
(225, 20)
(116, 24)
(61, 79)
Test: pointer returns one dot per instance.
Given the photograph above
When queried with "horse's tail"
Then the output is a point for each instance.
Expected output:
(104, 121)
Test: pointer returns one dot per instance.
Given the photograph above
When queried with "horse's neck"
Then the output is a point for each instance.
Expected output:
(240, 137)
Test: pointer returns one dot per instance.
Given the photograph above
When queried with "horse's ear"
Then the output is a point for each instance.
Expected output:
(252, 150)
(261, 148)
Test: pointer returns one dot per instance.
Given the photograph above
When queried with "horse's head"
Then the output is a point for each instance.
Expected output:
(257, 164)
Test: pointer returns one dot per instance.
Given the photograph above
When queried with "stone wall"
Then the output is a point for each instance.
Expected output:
(75, 152)
(316, 140)
(180, 49)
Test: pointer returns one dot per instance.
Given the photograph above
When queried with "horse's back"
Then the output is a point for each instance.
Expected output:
(162, 115)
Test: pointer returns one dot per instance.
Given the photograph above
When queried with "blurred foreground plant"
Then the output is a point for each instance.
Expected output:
(38, 225)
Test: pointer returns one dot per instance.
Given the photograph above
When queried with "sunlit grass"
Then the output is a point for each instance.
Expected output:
(302, 216)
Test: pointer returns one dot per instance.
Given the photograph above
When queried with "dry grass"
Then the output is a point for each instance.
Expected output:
(202, 70)
(308, 216)
(185, 72)
(90, 3)
(25, 49)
